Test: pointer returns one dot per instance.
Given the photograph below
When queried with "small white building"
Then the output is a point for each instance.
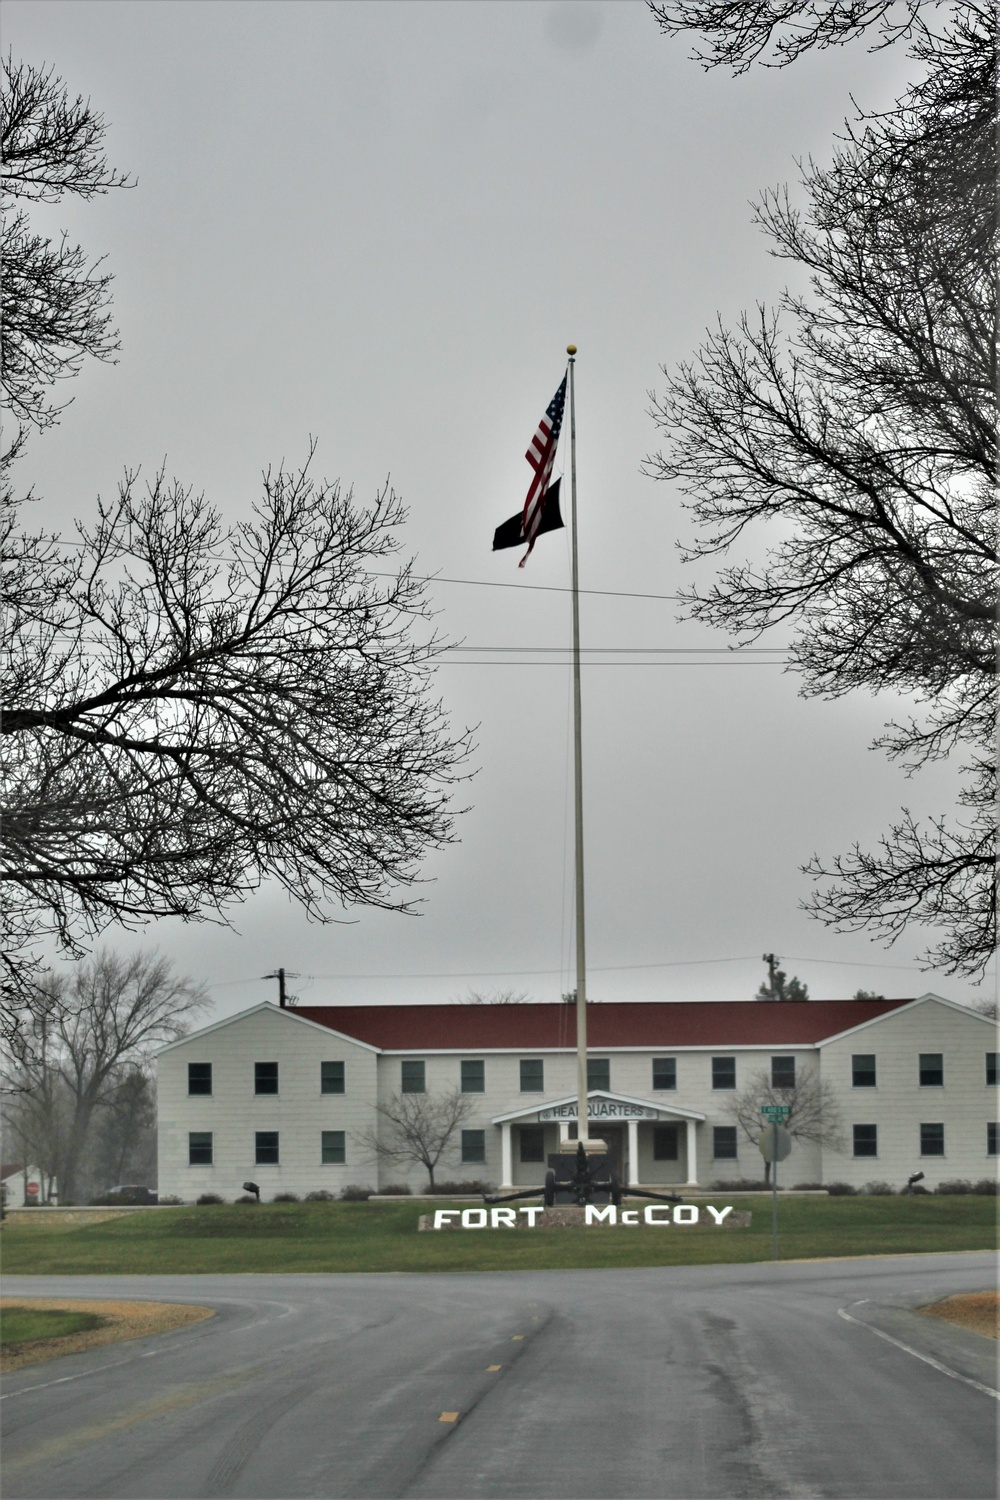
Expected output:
(285, 1097)
(26, 1186)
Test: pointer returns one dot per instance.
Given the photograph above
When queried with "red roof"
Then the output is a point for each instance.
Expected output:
(695, 1023)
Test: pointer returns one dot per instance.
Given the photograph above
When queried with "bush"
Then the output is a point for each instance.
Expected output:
(840, 1190)
(354, 1194)
(809, 1187)
(955, 1186)
(986, 1186)
(320, 1195)
(209, 1198)
(395, 1190)
(463, 1189)
(878, 1189)
(172, 1201)
(286, 1198)
(245, 1198)
(739, 1185)
(918, 1187)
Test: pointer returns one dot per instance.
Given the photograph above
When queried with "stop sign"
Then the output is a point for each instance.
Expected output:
(32, 1189)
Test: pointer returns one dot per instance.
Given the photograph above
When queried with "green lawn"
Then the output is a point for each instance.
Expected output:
(21, 1325)
(383, 1237)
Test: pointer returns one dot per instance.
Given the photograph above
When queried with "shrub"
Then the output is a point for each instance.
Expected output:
(245, 1198)
(395, 1190)
(987, 1186)
(918, 1187)
(172, 1201)
(320, 1195)
(809, 1187)
(286, 1198)
(739, 1185)
(840, 1190)
(878, 1189)
(354, 1194)
(209, 1198)
(464, 1189)
(955, 1186)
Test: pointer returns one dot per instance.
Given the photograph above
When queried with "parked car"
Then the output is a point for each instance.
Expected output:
(131, 1192)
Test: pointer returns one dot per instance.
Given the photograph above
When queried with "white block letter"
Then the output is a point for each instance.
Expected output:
(503, 1216)
(532, 1215)
(719, 1213)
(652, 1209)
(630, 1216)
(442, 1215)
(685, 1213)
(594, 1215)
(473, 1218)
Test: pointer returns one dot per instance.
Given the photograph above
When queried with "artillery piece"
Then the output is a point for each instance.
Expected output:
(582, 1178)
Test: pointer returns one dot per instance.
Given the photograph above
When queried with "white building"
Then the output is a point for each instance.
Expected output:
(284, 1097)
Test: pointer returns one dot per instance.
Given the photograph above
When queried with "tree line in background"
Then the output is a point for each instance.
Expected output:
(861, 417)
(190, 706)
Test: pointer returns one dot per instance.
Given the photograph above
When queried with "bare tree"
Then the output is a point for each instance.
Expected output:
(868, 432)
(417, 1128)
(497, 997)
(814, 1114)
(96, 1032)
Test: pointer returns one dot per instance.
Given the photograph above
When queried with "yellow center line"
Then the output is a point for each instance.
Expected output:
(489, 1368)
(517, 1338)
(448, 1416)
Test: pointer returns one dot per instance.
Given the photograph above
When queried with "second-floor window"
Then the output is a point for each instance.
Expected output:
(199, 1078)
(863, 1070)
(265, 1078)
(599, 1073)
(664, 1072)
(782, 1072)
(413, 1076)
(331, 1077)
(931, 1070)
(723, 1072)
(473, 1076)
(532, 1075)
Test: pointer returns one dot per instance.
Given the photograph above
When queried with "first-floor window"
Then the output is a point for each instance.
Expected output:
(333, 1147)
(267, 1148)
(664, 1142)
(474, 1146)
(866, 1140)
(532, 1142)
(992, 1138)
(991, 1068)
(200, 1148)
(724, 1142)
(932, 1140)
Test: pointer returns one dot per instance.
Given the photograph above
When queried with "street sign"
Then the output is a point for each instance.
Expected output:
(776, 1111)
(775, 1143)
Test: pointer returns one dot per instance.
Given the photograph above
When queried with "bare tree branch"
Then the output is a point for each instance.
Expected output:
(417, 1128)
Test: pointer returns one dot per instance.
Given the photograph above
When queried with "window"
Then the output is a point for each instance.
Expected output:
(413, 1078)
(265, 1078)
(532, 1079)
(473, 1076)
(932, 1140)
(863, 1070)
(665, 1142)
(991, 1067)
(992, 1138)
(931, 1070)
(474, 1146)
(331, 1077)
(532, 1142)
(267, 1148)
(598, 1073)
(724, 1140)
(200, 1148)
(664, 1072)
(782, 1072)
(199, 1078)
(333, 1148)
(866, 1140)
(724, 1073)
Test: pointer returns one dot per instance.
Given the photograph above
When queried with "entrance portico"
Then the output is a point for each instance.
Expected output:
(611, 1115)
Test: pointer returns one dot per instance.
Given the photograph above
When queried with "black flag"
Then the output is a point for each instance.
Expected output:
(510, 533)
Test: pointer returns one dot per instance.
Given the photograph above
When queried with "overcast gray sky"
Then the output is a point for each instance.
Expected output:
(380, 224)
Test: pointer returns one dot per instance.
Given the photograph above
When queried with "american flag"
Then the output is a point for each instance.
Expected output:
(541, 456)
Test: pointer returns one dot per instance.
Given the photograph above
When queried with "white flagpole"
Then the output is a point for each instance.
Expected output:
(581, 946)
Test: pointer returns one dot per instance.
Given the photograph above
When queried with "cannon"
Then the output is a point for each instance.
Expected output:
(583, 1179)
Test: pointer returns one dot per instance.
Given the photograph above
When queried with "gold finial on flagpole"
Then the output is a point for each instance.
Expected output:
(570, 349)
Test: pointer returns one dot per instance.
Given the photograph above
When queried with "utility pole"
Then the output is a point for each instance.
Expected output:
(280, 976)
(772, 960)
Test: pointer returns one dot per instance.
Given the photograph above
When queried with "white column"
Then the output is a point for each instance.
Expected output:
(692, 1152)
(506, 1168)
(632, 1174)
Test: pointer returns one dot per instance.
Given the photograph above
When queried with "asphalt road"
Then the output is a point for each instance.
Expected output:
(729, 1381)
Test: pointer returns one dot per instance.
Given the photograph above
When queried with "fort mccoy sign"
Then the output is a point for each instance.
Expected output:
(657, 1215)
